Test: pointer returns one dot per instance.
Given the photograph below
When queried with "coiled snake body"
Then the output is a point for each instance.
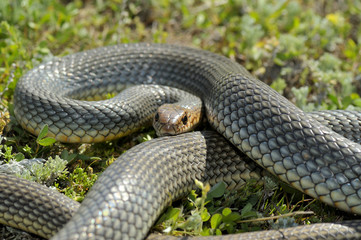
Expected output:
(133, 191)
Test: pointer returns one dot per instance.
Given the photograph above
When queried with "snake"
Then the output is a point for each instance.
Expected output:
(250, 121)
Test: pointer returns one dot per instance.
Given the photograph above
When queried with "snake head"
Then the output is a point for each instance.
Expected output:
(172, 119)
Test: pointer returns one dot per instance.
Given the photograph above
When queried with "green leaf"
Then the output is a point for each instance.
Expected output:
(46, 141)
(68, 156)
(226, 211)
(216, 220)
(234, 216)
(334, 99)
(246, 209)
(19, 156)
(216, 191)
(43, 132)
(41, 140)
(205, 215)
(173, 213)
(354, 96)
(357, 102)
(346, 101)
(205, 232)
(170, 214)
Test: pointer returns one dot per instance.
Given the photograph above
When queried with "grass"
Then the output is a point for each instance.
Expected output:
(307, 50)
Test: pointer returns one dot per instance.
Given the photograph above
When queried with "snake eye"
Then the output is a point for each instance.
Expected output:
(156, 117)
(185, 120)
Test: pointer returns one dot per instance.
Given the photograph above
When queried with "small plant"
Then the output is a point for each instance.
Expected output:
(204, 215)
(7, 154)
(45, 173)
(80, 182)
(42, 139)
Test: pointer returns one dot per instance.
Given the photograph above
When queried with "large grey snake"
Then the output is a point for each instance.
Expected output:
(131, 193)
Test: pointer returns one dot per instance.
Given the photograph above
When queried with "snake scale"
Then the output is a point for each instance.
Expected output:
(132, 192)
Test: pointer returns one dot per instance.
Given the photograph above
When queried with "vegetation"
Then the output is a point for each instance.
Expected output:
(307, 50)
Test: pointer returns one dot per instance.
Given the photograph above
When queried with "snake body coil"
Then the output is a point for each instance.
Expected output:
(269, 129)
